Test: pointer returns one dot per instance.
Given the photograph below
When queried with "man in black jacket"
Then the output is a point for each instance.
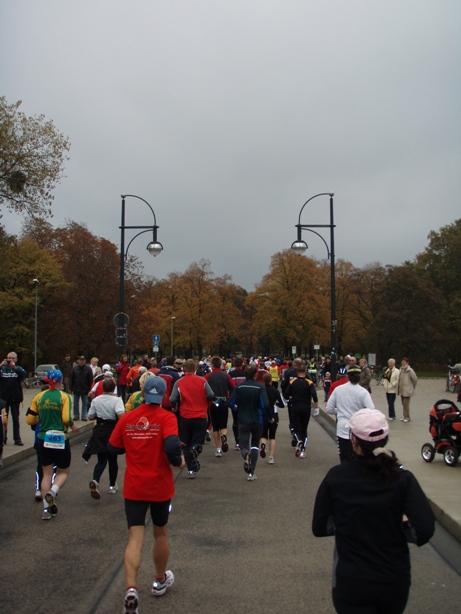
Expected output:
(81, 380)
(11, 376)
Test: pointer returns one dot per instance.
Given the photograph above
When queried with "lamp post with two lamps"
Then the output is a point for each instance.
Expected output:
(299, 246)
(154, 248)
(35, 282)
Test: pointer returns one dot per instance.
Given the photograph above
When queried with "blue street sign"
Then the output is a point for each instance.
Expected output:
(156, 339)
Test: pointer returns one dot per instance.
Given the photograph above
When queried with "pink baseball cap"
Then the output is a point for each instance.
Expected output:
(369, 425)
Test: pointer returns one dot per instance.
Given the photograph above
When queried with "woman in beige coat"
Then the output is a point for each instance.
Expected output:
(407, 384)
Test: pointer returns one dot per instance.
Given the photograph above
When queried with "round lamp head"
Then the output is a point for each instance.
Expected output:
(154, 249)
(299, 247)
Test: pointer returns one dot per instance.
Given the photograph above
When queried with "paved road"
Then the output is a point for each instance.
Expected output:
(236, 545)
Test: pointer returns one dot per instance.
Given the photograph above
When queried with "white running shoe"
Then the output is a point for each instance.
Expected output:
(191, 475)
(38, 495)
(302, 455)
(271, 460)
(112, 489)
(218, 452)
(158, 588)
(47, 515)
(131, 601)
(251, 477)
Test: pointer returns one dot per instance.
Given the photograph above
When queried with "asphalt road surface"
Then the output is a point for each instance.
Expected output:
(235, 545)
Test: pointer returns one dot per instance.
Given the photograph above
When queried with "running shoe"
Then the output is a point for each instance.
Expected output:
(303, 454)
(38, 495)
(131, 601)
(262, 451)
(251, 477)
(158, 588)
(247, 468)
(47, 515)
(191, 475)
(271, 460)
(50, 499)
(299, 449)
(195, 463)
(218, 452)
(94, 489)
(208, 437)
(224, 444)
(237, 446)
(112, 489)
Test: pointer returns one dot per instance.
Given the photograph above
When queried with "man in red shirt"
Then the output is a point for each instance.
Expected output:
(192, 394)
(149, 436)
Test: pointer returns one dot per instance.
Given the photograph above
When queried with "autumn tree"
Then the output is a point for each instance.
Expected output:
(32, 157)
(290, 306)
(22, 262)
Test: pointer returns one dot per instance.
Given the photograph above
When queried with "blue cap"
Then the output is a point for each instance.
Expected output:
(154, 389)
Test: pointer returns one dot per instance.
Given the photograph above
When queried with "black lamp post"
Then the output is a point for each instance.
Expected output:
(300, 246)
(35, 282)
(154, 248)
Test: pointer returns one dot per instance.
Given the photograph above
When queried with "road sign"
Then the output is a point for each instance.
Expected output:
(155, 339)
(121, 319)
(155, 349)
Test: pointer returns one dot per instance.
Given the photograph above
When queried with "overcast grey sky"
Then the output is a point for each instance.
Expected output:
(227, 116)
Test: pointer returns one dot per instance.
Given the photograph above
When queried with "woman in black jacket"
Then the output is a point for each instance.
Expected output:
(373, 507)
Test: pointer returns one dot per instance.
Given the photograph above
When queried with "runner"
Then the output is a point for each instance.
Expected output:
(373, 507)
(251, 398)
(149, 436)
(53, 409)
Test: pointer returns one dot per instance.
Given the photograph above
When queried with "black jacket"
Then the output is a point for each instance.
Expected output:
(81, 379)
(366, 517)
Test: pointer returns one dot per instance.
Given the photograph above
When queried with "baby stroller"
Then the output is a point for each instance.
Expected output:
(445, 428)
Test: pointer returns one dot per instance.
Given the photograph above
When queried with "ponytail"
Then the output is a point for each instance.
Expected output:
(379, 460)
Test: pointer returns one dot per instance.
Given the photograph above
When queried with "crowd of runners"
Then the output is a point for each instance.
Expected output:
(161, 415)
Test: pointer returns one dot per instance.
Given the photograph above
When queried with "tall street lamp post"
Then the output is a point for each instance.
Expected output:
(154, 248)
(173, 318)
(35, 282)
(299, 246)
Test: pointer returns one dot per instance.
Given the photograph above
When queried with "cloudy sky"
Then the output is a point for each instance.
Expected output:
(227, 116)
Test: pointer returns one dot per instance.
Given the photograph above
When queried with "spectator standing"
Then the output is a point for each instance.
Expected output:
(94, 362)
(406, 387)
(373, 508)
(81, 380)
(11, 377)
(391, 384)
(66, 370)
(149, 436)
(365, 375)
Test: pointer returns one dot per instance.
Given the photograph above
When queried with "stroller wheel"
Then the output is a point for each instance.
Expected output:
(450, 456)
(428, 452)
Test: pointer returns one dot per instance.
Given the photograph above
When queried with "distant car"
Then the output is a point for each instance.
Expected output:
(42, 370)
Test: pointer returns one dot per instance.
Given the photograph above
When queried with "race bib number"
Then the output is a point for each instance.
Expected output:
(55, 439)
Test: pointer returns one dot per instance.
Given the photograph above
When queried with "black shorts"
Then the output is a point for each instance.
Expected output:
(219, 416)
(52, 456)
(135, 512)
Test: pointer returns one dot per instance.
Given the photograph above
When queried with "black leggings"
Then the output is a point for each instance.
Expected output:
(370, 599)
(103, 459)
